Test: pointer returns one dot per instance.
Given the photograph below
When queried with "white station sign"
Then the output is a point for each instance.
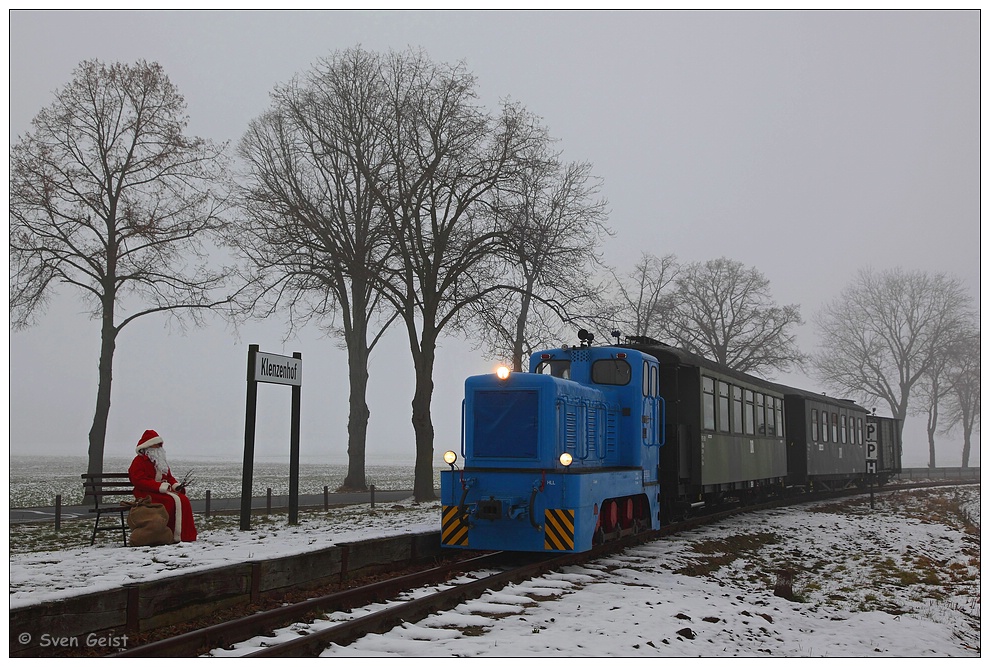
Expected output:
(277, 369)
(871, 441)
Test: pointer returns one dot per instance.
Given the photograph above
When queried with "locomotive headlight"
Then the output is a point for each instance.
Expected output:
(502, 372)
(449, 457)
(566, 459)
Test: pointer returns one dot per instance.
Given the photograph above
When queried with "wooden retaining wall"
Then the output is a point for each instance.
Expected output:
(104, 619)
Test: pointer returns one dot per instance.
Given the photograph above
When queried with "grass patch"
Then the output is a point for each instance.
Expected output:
(721, 552)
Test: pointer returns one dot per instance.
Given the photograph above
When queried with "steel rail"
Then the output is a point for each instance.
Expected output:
(223, 634)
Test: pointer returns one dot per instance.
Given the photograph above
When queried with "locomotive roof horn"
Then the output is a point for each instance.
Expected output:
(585, 337)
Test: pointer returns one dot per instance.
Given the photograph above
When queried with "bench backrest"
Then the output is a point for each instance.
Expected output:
(107, 484)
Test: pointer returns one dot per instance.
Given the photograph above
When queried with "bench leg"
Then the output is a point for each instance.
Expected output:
(96, 527)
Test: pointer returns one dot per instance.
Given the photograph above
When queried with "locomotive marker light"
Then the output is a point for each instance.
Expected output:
(449, 457)
(502, 372)
(566, 459)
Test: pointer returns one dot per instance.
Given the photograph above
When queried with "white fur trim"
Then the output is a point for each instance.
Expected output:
(150, 442)
(163, 487)
(177, 533)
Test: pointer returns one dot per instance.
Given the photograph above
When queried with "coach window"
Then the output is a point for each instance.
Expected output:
(814, 425)
(723, 407)
(708, 403)
(761, 418)
(737, 409)
(611, 371)
(842, 429)
(748, 412)
(835, 427)
(771, 416)
(859, 431)
(824, 426)
(779, 408)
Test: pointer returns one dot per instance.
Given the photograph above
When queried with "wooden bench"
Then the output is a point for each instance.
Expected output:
(104, 489)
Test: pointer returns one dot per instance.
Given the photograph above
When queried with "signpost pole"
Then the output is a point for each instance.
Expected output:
(250, 416)
(294, 450)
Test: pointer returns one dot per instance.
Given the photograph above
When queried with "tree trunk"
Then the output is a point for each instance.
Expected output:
(932, 427)
(424, 358)
(98, 432)
(968, 423)
(520, 336)
(357, 421)
(932, 421)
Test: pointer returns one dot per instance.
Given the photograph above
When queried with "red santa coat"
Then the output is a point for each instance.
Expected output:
(148, 482)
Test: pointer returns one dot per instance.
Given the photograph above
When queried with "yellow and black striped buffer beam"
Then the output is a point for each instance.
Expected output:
(454, 527)
(558, 530)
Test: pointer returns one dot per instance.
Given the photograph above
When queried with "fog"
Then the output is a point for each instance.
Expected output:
(806, 144)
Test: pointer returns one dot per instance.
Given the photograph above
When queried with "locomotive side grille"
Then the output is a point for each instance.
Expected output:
(558, 531)
(454, 527)
(570, 429)
(593, 433)
(611, 430)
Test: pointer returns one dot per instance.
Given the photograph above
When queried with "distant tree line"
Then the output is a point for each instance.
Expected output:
(376, 190)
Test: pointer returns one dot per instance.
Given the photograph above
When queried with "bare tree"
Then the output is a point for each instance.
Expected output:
(883, 334)
(963, 400)
(108, 196)
(446, 157)
(724, 311)
(553, 220)
(312, 232)
(933, 388)
(645, 296)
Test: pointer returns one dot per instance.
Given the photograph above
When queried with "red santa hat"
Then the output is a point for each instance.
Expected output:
(149, 439)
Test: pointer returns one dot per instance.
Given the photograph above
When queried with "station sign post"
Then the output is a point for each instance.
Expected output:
(274, 369)
(871, 455)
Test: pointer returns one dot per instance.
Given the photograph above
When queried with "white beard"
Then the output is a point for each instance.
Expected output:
(157, 456)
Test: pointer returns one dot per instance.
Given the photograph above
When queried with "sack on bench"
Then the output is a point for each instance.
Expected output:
(148, 522)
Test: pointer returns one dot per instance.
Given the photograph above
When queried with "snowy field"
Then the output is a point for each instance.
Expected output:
(899, 580)
(36, 480)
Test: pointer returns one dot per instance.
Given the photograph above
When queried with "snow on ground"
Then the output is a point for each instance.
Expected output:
(898, 580)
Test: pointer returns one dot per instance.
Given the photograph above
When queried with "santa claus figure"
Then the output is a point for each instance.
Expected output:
(152, 478)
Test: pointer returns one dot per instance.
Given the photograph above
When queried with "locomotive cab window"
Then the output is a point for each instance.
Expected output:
(611, 371)
(559, 368)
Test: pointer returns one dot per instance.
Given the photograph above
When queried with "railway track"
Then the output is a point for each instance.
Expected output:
(449, 595)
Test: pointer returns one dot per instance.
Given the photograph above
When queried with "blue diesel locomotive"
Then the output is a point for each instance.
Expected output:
(560, 458)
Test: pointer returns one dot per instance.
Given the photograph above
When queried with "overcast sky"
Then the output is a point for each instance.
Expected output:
(806, 144)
